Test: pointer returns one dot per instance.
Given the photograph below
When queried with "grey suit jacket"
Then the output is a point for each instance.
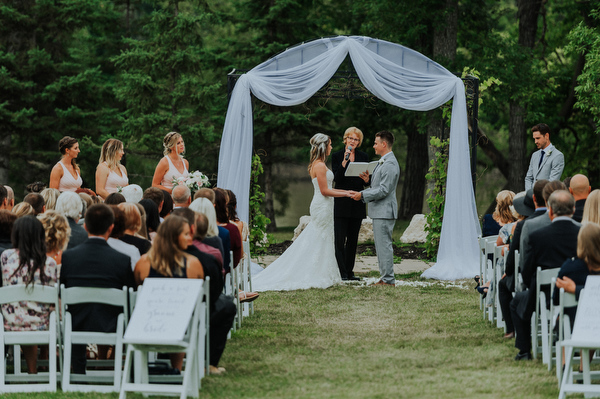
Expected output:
(382, 194)
(551, 168)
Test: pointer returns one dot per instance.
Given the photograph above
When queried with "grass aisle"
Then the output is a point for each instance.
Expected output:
(375, 342)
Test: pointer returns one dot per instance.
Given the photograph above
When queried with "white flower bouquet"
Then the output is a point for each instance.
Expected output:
(194, 181)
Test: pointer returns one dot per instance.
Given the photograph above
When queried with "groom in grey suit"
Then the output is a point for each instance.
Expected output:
(546, 163)
(383, 207)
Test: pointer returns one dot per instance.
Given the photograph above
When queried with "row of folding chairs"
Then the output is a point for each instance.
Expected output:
(544, 341)
(101, 375)
(240, 279)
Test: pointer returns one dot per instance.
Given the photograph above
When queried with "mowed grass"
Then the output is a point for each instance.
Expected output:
(370, 342)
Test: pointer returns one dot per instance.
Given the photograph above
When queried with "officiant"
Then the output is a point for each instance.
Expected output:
(348, 214)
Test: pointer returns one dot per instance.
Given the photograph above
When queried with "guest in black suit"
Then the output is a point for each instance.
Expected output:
(579, 186)
(348, 214)
(551, 246)
(95, 264)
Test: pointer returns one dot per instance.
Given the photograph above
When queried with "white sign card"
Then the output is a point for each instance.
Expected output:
(587, 321)
(163, 310)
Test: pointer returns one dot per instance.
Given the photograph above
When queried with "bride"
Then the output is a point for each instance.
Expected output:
(310, 261)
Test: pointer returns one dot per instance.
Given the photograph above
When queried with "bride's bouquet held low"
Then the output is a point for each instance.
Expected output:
(194, 181)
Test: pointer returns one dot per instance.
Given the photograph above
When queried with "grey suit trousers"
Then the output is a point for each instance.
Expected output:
(382, 229)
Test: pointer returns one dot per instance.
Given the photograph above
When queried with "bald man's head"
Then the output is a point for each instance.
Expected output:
(580, 187)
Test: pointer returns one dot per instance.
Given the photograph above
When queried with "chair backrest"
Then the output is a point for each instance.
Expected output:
(105, 296)
(544, 277)
(566, 300)
(34, 293)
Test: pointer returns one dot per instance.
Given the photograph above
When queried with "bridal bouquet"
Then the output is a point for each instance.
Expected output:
(194, 181)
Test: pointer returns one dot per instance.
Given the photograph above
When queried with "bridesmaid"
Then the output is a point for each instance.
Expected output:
(66, 175)
(110, 174)
(172, 165)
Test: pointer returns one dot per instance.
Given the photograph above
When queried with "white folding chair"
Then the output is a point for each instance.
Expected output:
(93, 380)
(518, 276)
(566, 300)
(540, 320)
(247, 308)
(194, 342)
(23, 382)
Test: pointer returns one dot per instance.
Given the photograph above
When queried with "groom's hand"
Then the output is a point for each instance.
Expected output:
(357, 196)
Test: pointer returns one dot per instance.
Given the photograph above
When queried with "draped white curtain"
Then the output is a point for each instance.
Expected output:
(396, 75)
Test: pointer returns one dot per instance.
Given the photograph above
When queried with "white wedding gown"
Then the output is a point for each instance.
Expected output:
(310, 261)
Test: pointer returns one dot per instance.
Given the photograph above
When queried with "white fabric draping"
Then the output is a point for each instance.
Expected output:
(396, 75)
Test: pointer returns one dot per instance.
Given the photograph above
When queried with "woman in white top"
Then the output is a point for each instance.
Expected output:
(172, 165)
(110, 174)
(65, 175)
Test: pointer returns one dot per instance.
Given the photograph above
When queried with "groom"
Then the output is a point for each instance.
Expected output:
(383, 207)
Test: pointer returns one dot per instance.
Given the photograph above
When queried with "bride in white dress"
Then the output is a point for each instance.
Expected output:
(310, 261)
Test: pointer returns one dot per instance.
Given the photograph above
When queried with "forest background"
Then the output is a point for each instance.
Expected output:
(135, 70)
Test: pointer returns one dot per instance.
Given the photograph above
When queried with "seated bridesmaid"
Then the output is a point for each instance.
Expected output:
(66, 175)
(167, 258)
(27, 264)
(172, 165)
(110, 174)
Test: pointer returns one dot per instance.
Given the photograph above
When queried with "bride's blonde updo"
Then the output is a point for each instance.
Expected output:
(318, 148)
(170, 142)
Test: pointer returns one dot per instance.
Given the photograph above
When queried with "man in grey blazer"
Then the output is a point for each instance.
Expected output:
(383, 207)
(546, 163)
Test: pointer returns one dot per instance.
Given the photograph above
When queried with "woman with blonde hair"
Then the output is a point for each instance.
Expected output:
(66, 175)
(57, 233)
(167, 258)
(23, 209)
(591, 210)
(133, 223)
(205, 207)
(110, 174)
(310, 261)
(172, 165)
(50, 197)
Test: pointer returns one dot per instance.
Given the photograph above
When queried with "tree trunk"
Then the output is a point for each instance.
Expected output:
(413, 189)
(528, 14)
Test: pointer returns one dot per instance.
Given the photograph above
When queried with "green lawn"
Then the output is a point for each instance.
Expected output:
(370, 342)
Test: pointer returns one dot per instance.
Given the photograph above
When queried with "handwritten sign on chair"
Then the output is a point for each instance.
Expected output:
(587, 322)
(163, 311)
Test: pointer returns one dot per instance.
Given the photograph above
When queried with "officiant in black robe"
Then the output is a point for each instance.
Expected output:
(348, 214)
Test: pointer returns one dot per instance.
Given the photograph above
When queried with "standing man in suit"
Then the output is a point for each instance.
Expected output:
(546, 163)
(347, 214)
(94, 263)
(383, 207)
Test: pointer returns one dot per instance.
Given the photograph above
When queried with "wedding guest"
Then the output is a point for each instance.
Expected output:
(579, 187)
(172, 165)
(27, 264)
(66, 175)
(213, 234)
(205, 192)
(182, 196)
(200, 231)
(57, 232)
(591, 210)
(114, 240)
(348, 214)
(50, 196)
(23, 209)
(133, 222)
(69, 205)
(167, 258)
(10, 197)
(132, 193)
(87, 201)
(167, 207)
(156, 195)
(4, 198)
(223, 221)
(36, 201)
(35, 187)
(114, 199)
(152, 217)
(233, 216)
(7, 220)
(110, 173)
(143, 231)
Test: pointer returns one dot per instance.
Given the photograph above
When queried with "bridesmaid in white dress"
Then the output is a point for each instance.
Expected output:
(65, 175)
(310, 261)
(173, 164)
(110, 174)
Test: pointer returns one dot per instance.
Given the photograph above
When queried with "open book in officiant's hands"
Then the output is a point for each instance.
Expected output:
(356, 168)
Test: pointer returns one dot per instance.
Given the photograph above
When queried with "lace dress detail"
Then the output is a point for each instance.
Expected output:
(310, 261)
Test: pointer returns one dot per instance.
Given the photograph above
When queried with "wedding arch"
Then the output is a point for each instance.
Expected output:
(393, 73)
